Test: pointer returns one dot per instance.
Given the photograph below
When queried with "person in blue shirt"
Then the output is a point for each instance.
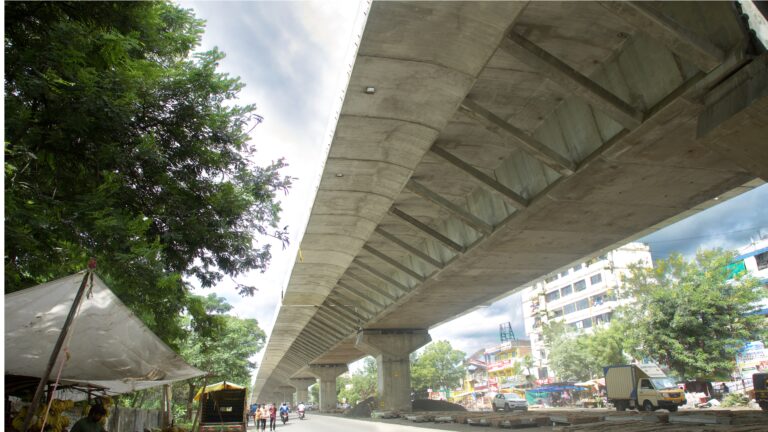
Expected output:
(284, 410)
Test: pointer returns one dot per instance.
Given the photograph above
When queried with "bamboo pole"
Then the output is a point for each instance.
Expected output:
(57, 348)
(195, 425)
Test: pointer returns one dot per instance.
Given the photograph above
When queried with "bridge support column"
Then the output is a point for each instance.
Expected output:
(392, 349)
(284, 393)
(327, 374)
(302, 388)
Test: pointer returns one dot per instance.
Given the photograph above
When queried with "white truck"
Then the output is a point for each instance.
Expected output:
(642, 387)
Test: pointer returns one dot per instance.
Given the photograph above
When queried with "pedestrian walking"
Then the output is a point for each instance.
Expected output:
(272, 416)
(263, 414)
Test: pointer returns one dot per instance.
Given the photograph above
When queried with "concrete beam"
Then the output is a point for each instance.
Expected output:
(327, 374)
(333, 318)
(392, 349)
(320, 325)
(410, 249)
(508, 194)
(339, 296)
(363, 298)
(467, 217)
(683, 42)
(346, 312)
(382, 276)
(394, 263)
(426, 229)
(371, 287)
(730, 122)
(534, 147)
(558, 71)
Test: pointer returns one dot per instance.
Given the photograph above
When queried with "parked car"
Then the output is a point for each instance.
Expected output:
(509, 402)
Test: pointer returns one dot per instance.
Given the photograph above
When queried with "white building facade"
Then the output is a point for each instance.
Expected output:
(584, 296)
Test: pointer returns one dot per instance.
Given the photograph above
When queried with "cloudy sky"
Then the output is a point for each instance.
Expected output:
(295, 58)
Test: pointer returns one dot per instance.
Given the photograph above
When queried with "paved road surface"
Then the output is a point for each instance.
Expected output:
(322, 423)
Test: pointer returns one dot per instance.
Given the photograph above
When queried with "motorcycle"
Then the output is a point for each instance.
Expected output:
(284, 417)
(301, 415)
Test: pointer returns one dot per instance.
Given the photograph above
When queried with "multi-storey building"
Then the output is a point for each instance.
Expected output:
(505, 364)
(584, 296)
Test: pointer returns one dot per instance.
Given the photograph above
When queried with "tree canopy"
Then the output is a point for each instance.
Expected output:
(361, 384)
(575, 356)
(693, 316)
(123, 144)
(438, 366)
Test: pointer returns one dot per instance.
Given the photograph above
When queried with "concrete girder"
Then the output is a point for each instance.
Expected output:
(410, 249)
(371, 287)
(339, 300)
(426, 229)
(394, 263)
(360, 296)
(320, 325)
(308, 347)
(680, 40)
(534, 147)
(558, 71)
(316, 334)
(381, 276)
(341, 320)
(508, 194)
(470, 219)
(302, 388)
(334, 320)
(341, 312)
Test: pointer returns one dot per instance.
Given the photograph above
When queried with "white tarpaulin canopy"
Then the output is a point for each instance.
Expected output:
(108, 347)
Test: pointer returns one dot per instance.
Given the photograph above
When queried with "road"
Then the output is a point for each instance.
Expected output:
(322, 423)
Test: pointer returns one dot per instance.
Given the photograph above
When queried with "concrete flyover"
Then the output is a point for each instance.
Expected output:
(482, 145)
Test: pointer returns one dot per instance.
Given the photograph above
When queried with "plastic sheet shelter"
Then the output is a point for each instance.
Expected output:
(217, 387)
(109, 347)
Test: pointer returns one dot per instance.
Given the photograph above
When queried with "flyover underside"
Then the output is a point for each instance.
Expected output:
(504, 141)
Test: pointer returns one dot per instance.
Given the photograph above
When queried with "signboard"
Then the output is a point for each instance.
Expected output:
(752, 358)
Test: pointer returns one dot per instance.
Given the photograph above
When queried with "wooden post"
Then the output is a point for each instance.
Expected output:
(198, 414)
(57, 348)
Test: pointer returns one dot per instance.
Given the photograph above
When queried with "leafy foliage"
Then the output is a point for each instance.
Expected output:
(224, 350)
(360, 385)
(438, 366)
(693, 316)
(122, 145)
(575, 356)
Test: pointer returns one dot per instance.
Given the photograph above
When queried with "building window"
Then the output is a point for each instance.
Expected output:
(551, 279)
(564, 274)
(598, 299)
(596, 279)
(762, 261)
(580, 285)
(557, 313)
(553, 295)
(569, 308)
(564, 291)
(582, 304)
(578, 267)
(587, 323)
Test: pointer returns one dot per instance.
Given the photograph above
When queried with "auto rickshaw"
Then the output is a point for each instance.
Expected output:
(760, 383)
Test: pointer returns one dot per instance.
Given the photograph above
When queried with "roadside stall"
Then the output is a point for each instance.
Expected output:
(72, 339)
(222, 407)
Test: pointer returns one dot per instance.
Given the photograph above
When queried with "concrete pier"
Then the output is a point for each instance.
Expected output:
(327, 374)
(392, 348)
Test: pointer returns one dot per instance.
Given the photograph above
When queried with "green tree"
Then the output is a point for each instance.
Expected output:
(438, 366)
(123, 145)
(693, 316)
(576, 356)
(223, 349)
(362, 383)
(314, 393)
